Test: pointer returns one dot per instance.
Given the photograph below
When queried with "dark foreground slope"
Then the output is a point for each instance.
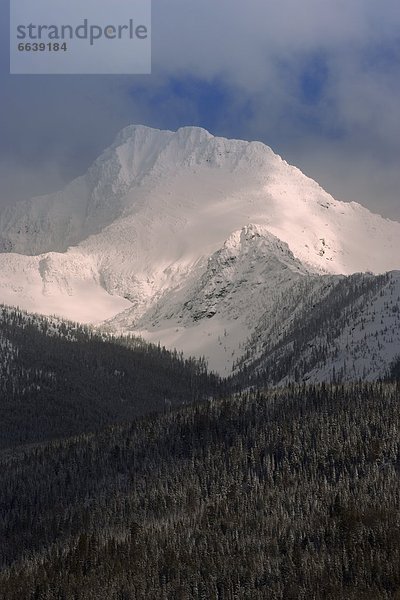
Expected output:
(293, 494)
(59, 379)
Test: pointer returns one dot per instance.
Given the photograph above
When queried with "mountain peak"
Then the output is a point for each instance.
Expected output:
(134, 130)
(254, 238)
(191, 240)
(157, 205)
(208, 187)
(139, 149)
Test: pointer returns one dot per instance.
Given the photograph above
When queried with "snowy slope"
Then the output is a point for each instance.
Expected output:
(66, 285)
(186, 237)
(369, 342)
(217, 307)
(345, 330)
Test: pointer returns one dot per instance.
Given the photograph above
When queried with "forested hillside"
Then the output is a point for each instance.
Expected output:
(58, 379)
(345, 330)
(291, 494)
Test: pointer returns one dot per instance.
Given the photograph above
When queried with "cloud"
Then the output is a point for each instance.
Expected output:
(317, 80)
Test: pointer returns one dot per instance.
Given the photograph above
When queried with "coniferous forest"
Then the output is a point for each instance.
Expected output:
(59, 379)
(283, 493)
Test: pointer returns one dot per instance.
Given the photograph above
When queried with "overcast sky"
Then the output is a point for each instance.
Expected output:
(317, 80)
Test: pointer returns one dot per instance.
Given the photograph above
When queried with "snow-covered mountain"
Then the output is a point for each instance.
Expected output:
(190, 239)
(334, 329)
